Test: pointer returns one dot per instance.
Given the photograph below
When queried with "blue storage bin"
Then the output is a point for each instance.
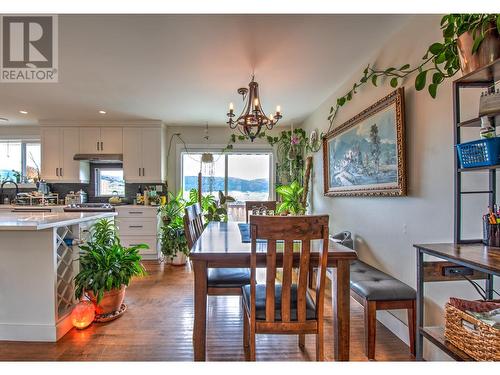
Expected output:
(482, 153)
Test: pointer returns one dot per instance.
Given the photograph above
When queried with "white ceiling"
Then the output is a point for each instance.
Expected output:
(185, 69)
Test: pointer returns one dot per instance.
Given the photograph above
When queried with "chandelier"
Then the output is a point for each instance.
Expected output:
(253, 118)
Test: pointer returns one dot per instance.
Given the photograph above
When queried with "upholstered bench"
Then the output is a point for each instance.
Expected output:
(376, 290)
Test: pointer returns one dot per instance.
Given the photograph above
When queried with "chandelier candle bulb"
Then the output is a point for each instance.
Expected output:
(231, 107)
(278, 109)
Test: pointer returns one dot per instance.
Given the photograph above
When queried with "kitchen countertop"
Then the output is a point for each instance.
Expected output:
(46, 220)
(12, 206)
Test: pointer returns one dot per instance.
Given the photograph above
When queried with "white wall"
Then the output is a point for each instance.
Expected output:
(385, 228)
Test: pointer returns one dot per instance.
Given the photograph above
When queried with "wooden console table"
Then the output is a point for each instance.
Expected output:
(483, 260)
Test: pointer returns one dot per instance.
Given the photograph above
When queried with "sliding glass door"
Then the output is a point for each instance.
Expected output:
(245, 176)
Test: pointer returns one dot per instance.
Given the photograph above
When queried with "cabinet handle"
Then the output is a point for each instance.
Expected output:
(57, 172)
(143, 173)
(97, 145)
(135, 226)
(61, 172)
(136, 212)
(102, 146)
(139, 171)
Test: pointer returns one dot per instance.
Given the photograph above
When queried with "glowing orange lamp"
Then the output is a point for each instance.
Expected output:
(83, 314)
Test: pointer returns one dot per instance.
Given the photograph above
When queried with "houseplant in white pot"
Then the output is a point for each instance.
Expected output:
(106, 268)
(172, 238)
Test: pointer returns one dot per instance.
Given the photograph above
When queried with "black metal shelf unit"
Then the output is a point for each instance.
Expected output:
(482, 78)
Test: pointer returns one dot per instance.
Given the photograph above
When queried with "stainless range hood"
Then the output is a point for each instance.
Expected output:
(100, 158)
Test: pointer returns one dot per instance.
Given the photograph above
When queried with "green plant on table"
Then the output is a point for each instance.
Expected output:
(213, 210)
(291, 196)
(105, 264)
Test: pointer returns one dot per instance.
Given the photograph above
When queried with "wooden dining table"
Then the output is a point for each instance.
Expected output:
(220, 245)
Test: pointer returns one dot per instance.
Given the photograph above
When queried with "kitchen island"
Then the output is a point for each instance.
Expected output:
(38, 262)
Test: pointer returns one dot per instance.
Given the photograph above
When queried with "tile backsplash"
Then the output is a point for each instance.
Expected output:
(130, 190)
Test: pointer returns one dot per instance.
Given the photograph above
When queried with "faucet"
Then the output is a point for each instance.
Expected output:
(1, 189)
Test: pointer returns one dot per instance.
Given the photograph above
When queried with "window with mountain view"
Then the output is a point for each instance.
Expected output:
(20, 161)
(244, 176)
(109, 180)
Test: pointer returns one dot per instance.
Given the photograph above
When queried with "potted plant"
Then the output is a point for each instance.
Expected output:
(291, 199)
(173, 241)
(106, 268)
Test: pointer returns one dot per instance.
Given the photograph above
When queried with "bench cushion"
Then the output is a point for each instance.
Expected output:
(260, 302)
(228, 277)
(375, 285)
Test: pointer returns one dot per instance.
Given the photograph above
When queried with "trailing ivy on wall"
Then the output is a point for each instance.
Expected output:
(441, 60)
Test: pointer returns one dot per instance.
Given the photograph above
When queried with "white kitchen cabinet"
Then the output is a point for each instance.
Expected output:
(143, 158)
(132, 155)
(101, 140)
(50, 153)
(139, 225)
(111, 140)
(89, 140)
(59, 145)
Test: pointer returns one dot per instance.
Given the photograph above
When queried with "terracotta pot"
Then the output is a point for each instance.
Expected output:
(488, 51)
(111, 301)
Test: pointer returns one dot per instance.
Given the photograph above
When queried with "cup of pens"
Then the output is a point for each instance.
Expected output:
(491, 229)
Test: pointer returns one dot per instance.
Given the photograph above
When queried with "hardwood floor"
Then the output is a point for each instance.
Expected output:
(158, 327)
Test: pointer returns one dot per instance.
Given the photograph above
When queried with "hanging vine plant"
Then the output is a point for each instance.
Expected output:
(441, 60)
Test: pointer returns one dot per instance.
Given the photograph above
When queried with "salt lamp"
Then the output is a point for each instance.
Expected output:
(83, 314)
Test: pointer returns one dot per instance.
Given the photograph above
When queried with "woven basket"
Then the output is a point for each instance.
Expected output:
(477, 339)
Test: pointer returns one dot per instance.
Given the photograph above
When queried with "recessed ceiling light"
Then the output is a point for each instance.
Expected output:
(102, 112)
(24, 112)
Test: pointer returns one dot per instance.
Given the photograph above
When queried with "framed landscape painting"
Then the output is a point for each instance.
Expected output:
(366, 155)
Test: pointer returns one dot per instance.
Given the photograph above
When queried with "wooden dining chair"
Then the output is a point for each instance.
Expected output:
(286, 308)
(269, 205)
(220, 281)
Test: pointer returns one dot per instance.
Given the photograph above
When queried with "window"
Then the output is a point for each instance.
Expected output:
(109, 180)
(243, 176)
(20, 161)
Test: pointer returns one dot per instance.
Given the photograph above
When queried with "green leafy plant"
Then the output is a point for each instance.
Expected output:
(172, 237)
(213, 210)
(440, 61)
(291, 196)
(105, 264)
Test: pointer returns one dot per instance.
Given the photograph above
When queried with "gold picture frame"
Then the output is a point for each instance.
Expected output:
(366, 156)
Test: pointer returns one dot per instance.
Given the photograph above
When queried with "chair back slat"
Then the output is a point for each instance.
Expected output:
(198, 218)
(269, 205)
(287, 280)
(193, 223)
(270, 280)
(302, 284)
(302, 229)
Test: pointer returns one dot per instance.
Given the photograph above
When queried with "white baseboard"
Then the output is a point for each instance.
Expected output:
(35, 332)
